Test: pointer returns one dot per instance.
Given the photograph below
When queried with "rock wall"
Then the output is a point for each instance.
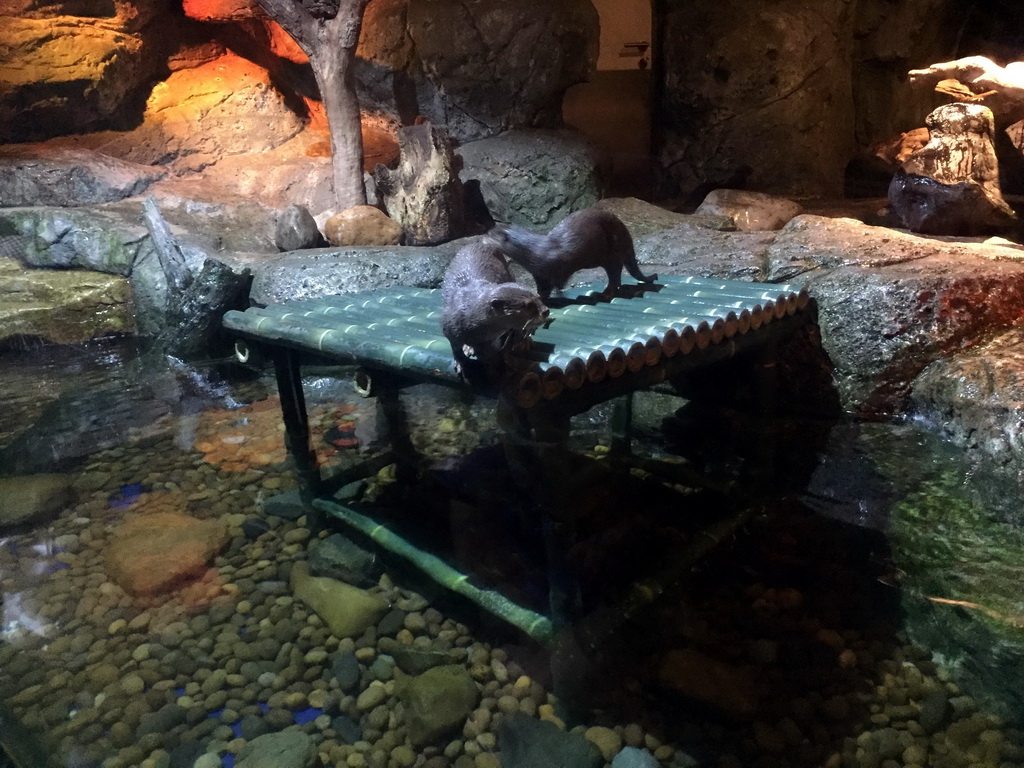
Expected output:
(788, 96)
(90, 65)
(757, 95)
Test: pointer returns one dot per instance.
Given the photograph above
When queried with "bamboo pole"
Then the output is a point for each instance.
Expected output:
(535, 625)
(743, 311)
(574, 370)
(398, 333)
(722, 324)
(434, 358)
(707, 329)
(798, 294)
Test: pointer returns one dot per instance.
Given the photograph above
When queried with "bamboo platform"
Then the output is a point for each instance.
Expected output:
(591, 350)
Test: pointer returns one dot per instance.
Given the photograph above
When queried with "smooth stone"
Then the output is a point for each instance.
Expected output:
(750, 211)
(525, 742)
(345, 668)
(287, 749)
(33, 497)
(347, 611)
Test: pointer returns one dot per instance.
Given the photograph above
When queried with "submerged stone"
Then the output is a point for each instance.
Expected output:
(152, 553)
(287, 749)
(438, 701)
(27, 498)
(348, 611)
(526, 742)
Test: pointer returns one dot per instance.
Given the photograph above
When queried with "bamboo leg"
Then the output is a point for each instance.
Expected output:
(393, 412)
(287, 369)
(622, 426)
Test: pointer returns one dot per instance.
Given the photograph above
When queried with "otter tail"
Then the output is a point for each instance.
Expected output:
(634, 268)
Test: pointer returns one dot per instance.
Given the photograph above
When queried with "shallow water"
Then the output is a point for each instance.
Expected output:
(859, 608)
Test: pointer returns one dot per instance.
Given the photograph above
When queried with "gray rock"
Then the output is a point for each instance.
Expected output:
(526, 742)
(348, 730)
(390, 625)
(104, 239)
(252, 727)
(935, 713)
(643, 218)
(296, 229)
(163, 720)
(531, 178)
(287, 505)
(692, 250)
(69, 178)
(338, 557)
(185, 755)
(29, 498)
(288, 749)
(382, 668)
(327, 271)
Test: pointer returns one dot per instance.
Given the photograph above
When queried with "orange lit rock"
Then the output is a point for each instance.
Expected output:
(282, 44)
(220, 10)
(152, 553)
(65, 74)
(198, 116)
(362, 225)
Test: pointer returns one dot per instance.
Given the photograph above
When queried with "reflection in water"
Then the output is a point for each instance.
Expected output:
(785, 646)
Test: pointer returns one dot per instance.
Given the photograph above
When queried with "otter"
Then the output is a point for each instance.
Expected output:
(582, 240)
(484, 311)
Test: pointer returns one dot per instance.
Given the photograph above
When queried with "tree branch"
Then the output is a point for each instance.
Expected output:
(295, 20)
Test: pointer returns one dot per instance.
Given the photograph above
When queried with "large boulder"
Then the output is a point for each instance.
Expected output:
(68, 177)
(61, 307)
(328, 271)
(112, 239)
(531, 178)
(199, 115)
(891, 303)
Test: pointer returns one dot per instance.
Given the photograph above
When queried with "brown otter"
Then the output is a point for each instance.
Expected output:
(585, 239)
(485, 311)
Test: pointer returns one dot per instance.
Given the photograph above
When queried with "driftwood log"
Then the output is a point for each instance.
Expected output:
(981, 80)
(424, 194)
(195, 302)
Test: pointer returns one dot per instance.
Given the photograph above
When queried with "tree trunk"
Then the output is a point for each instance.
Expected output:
(332, 66)
(330, 43)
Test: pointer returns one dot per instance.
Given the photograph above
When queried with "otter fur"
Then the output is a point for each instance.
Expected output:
(585, 239)
(484, 311)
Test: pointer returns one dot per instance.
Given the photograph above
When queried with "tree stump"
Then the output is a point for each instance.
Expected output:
(950, 186)
(424, 194)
